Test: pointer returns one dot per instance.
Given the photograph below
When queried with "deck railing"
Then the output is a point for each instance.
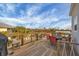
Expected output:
(67, 48)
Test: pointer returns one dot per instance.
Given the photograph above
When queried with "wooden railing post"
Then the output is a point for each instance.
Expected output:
(72, 50)
(64, 52)
(65, 48)
(58, 47)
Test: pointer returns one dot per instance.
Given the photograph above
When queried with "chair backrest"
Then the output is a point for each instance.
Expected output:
(3, 40)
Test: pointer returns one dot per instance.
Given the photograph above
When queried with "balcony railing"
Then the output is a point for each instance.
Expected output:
(67, 49)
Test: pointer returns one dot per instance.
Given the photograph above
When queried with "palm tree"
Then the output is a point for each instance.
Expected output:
(21, 32)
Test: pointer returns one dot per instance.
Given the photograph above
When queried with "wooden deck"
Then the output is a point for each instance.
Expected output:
(38, 48)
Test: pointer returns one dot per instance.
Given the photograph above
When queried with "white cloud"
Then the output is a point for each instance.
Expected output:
(10, 7)
(7, 9)
(11, 21)
(2, 9)
(35, 8)
(63, 25)
(42, 18)
(28, 17)
(66, 26)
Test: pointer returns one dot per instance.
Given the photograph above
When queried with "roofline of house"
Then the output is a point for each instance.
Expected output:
(6, 27)
(73, 9)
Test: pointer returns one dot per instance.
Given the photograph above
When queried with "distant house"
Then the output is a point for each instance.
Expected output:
(64, 32)
(4, 27)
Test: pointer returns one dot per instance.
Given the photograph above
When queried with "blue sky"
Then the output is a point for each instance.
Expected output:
(38, 15)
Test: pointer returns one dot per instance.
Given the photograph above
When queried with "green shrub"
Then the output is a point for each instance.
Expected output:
(9, 42)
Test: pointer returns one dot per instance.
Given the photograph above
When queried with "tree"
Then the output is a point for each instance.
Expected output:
(36, 36)
(21, 32)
